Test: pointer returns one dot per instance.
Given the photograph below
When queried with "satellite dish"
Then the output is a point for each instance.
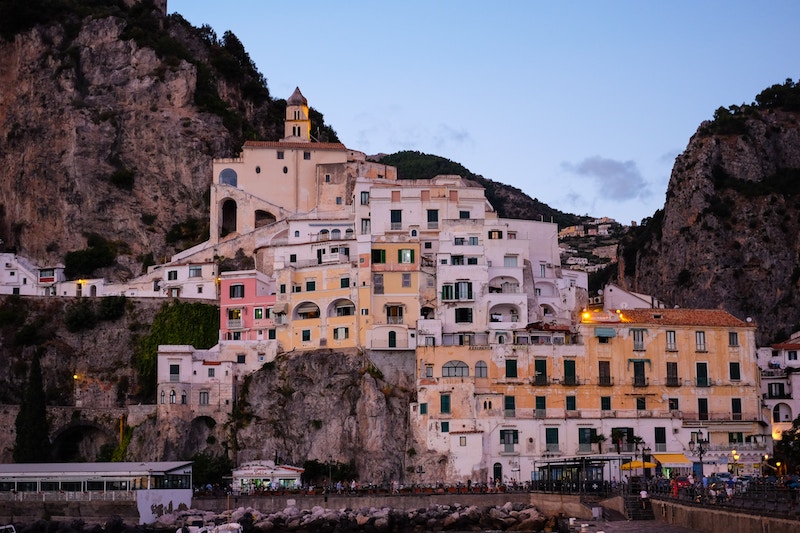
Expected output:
(599, 292)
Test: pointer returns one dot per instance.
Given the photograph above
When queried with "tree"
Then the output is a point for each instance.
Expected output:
(616, 437)
(788, 448)
(599, 439)
(33, 441)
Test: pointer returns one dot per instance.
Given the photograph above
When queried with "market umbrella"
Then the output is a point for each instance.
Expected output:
(633, 465)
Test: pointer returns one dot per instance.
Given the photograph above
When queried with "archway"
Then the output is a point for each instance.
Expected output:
(228, 224)
(264, 218)
(82, 442)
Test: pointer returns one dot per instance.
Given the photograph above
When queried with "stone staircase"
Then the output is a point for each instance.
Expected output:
(634, 510)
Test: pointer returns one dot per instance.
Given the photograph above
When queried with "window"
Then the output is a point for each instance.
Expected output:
(366, 228)
(457, 260)
(306, 335)
(174, 372)
(571, 403)
(639, 377)
(428, 245)
(405, 257)
(792, 355)
(605, 403)
(183, 397)
(271, 334)
(306, 155)
(172, 275)
(510, 406)
(509, 436)
(406, 280)
(735, 371)
(462, 441)
(311, 285)
(604, 373)
(433, 219)
(473, 241)
(364, 197)
(540, 404)
(378, 256)
(463, 290)
(570, 378)
(674, 404)
(641, 403)
(672, 345)
(211, 372)
(296, 233)
(338, 200)
(733, 338)
(542, 270)
(463, 315)
(511, 368)
(660, 438)
(344, 283)
(638, 339)
(241, 358)
(203, 399)
(540, 372)
(510, 261)
(377, 283)
(481, 370)
(327, 178)
(195, 272)
(444, 404)
(700, 341)
(459, 241)
(423, 408)
(396, 218)
(702, 375)
(394, 314)
(551, 439)
(293, 258)
(735, 437)
(237, 291)
(258, 313)
(453, 369)
(341, 333)
(672, 374)
(279, 154)
(512, 235)
(463, 214)
(736, 408)
(283, 288)
(445, 426)
(472, 260)
(495, 234)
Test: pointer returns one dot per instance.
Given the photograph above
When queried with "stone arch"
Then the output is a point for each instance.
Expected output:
(264, 218)
(229, 217)
(782, 412)
(81, 441)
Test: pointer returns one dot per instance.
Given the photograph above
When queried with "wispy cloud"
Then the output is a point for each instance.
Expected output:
(615, 180)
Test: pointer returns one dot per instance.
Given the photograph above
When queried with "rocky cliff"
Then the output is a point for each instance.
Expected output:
(729, 233)
(109, 127)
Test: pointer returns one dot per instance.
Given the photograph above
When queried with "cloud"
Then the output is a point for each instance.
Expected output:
(615, 180)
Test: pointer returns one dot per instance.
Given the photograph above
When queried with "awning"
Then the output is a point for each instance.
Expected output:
(672, 460)
(605, 332)
(633, 465)
(280, 308)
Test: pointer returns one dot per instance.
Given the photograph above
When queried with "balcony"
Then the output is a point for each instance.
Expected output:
(510, 413)
(703, 382)
(641, 381)
(673, 381)
(235, 323)
(552, 448)
(539, 413)
(571, 381)
(773, 373)
(540, 381)
(777, 395)
(605, 381)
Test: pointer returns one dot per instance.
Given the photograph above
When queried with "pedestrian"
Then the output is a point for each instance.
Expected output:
(644, 496)
(673, 485)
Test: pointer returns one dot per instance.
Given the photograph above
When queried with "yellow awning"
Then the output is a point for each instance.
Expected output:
(672, 460)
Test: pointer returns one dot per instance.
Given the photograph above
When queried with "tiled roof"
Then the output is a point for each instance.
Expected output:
(297, 98)
(683, 317)
(786, 346)
(295, 145)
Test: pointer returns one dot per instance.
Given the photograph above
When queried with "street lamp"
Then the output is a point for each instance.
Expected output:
(330, 463)
(699, 446)
(645, 459)
(735, 469)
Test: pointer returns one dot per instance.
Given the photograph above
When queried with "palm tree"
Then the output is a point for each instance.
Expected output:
(616, 437)
(599, 439)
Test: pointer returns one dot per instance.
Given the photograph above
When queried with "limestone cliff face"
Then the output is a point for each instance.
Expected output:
(326, 403)
(728, 235)
(81, 105)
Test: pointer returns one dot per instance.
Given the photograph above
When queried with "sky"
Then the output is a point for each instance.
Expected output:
(583, 105)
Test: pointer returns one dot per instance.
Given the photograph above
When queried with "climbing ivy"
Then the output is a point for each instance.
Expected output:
(195, 324)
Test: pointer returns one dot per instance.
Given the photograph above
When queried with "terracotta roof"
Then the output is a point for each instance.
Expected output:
(295, 145)
(683, 317)
(786, 346)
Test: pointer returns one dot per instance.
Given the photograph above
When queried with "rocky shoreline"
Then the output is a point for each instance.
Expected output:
(508, 517)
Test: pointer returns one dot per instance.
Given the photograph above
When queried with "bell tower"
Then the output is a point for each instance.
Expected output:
(298, 124)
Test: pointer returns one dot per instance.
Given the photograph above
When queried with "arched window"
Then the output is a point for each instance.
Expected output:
(228, 177)
(392, 339)
(172, 396)
(183, 397)
(481, 370)
(336, 234)
(455, 369)
(348, 233)
(163, 396)
(323, 235)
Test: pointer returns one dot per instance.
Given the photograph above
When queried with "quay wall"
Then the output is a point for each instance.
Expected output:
(710, 520)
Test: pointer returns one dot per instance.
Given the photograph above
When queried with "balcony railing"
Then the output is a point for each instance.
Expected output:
(540, 381)
(777, 395)
(235, 323)
(552, 447)
(540, 413)
(703, 382)
(641, 381)
(673, 381)
(510, 413)
(605, 381)
(571, 381)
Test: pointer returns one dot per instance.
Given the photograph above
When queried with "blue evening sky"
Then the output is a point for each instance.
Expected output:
(581, 104)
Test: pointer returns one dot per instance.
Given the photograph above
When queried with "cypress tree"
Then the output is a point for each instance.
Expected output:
(33, 440)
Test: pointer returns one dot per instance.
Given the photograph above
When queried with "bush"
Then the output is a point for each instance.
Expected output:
(80, 316)
(82, 263)
(111, 308)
